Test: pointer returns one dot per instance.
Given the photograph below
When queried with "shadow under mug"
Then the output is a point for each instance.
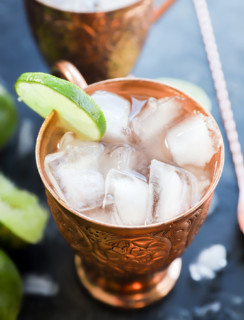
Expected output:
(128, 267)
(102, 45)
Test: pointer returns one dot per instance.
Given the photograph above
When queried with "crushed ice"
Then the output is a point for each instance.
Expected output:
(207, 310)
(208, 263)
(26, 140)
(223, 306)
(40, 285)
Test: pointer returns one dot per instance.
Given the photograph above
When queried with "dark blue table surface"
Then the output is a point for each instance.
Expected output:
(174, 48)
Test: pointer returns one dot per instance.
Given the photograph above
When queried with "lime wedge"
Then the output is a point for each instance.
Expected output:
(190, 89)
(10, 289)
(8, 240)
(8, 116)
(20, 213)
(44, 93)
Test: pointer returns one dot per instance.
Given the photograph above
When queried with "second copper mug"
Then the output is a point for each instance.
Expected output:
(128, 267)
(102, 45)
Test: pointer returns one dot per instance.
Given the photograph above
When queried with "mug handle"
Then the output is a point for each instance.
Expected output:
(162, 8)
(66, 70)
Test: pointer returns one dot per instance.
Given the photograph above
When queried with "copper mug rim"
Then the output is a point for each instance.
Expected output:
(89, 12)
(210, 189)
(158, 12)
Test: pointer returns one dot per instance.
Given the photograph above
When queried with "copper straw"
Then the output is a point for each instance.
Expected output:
(223, 99)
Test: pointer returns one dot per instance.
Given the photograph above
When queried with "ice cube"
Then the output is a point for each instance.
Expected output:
(99, 215)
(136, 107)
(126, 195)
(116, 111)
(70, 143)
(123, 157)
(82, 154)
(208, 263)
(74, 176)
(153, 118)
(171, 191)
(208, 311)
(193, 141)
(68, 139)
(116, 157)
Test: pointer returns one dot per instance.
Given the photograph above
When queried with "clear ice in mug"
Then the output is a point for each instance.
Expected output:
(152, 164)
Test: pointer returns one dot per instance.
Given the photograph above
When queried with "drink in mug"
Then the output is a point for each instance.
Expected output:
(130, 204)
(155, 162)
(88, 5)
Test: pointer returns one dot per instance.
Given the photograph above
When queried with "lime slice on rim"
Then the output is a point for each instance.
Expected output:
(10, 289)
(8, 116)
(191, 89)
(45, 93)
(21, 215)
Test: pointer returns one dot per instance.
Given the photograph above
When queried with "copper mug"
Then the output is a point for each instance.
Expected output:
(102, 45)
(128, 267)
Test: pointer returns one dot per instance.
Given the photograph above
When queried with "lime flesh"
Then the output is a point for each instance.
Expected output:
(45, 93)
(21, 214)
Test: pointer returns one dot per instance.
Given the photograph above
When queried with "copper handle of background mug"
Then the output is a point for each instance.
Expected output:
(66, 70)
(162, 8)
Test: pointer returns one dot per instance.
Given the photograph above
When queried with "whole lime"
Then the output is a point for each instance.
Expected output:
(191, 89)
(8, 116)
(10, 289)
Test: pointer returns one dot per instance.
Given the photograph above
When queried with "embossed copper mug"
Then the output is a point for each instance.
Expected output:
(128, 267)
(102, 45)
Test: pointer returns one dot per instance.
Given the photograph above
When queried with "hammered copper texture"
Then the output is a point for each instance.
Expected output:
(102, 45)
(127, 255)
(115, 257)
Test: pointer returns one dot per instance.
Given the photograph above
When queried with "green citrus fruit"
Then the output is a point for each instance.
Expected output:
(8, 116)
(45, 93)
(190, 89)
(10, 289)
(21, 214)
